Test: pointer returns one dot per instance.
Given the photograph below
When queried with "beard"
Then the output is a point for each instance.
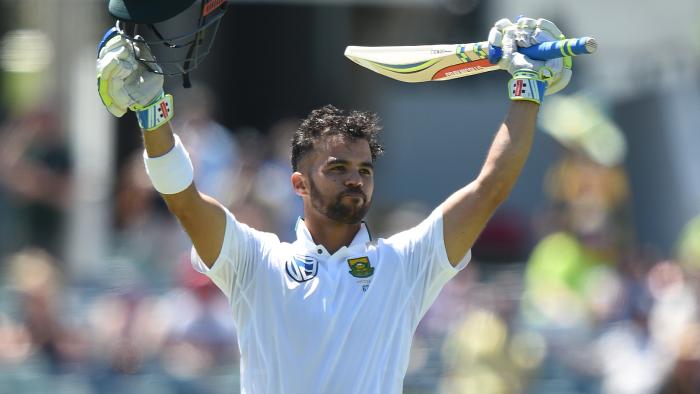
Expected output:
(335, 209)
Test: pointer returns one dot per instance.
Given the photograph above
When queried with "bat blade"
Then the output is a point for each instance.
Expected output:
(441, 62)
(424, 63)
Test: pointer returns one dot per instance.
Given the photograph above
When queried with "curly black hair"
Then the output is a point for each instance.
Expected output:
(329, 121)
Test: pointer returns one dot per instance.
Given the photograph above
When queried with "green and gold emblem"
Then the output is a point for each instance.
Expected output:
(360, 267)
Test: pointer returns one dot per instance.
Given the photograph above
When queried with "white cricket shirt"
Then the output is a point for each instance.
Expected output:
(311, 322)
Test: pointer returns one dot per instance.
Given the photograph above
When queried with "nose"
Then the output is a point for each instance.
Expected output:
(354, 180)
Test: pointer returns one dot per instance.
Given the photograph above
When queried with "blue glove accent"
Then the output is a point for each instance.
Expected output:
(108, 35)
(495, 54)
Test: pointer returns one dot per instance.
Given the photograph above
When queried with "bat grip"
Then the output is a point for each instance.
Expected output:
(551, 50)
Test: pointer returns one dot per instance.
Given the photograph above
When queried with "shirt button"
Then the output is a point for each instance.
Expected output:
(320, 251)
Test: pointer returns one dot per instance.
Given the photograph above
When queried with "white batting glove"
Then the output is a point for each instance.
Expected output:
(556, 73)
(123, 82)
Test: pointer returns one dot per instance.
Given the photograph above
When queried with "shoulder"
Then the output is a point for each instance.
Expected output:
(429, 227)
(233, 226)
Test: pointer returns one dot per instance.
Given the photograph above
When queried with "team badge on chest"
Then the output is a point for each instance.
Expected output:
(360, 267)
(302, 268)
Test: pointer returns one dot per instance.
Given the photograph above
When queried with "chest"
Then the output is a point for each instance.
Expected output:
(315, 293)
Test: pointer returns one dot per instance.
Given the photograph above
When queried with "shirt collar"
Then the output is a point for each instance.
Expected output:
(362, 238)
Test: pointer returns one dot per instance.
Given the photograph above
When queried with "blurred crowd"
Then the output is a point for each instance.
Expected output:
(558, 300)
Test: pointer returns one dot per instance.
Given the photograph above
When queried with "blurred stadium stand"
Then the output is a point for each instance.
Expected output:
(587, 280)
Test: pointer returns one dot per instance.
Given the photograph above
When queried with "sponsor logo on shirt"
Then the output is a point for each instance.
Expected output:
(360, 267)
(302, 268)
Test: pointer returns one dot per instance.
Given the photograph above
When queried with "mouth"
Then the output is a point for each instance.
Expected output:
(358, 195)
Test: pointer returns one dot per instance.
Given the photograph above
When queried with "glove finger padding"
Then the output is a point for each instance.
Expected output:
(547, 31)
(113, 43)
(525, 28)
(526, 32)
(502, 36)
(495, 37)
(114, 64)
(559, 83)
(512, 59)
(123, 82)
(145, 86)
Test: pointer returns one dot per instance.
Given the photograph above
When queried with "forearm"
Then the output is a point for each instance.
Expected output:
(509, 151)
(159, 141)
(201, 216)
(466, 212)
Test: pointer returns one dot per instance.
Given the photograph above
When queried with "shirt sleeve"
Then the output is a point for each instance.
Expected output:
(424, 260)
(241, 255)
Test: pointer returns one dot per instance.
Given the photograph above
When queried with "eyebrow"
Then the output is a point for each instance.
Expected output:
(346, 162)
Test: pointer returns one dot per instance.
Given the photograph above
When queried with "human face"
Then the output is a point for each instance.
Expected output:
(341, 180)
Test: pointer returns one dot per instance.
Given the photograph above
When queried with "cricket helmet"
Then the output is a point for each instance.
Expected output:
(180, 33)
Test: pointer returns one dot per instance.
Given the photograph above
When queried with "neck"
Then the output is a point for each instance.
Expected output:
(332, 235)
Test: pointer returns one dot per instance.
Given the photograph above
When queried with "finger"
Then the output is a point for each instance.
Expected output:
(552, 68)
(114, 103)
(116, 110)
(508, 41)
(525, 27)
(495, 37)
(120, 97)
(112, 67)
(550, 28)
(527, 23)
(501, 24)
(111, 75)
(113, 43)
(143, 85)
(559, 84)
(107, 65)
(522, 62)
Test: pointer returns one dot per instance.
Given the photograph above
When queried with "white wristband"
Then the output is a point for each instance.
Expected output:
(172, 172)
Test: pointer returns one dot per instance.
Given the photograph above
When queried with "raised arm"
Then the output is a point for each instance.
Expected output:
(125, 84)
(466, 212)
(201, 216)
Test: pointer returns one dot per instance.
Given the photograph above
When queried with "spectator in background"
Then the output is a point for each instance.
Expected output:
(35, 277)
(199, 332)
(146, 237)
(271, 183)
(213, 148)
(35, 182)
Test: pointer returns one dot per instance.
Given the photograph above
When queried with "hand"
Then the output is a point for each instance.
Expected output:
(524, 33)
(124, 83)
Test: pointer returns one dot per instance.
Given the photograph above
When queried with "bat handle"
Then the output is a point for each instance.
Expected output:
(551, 50)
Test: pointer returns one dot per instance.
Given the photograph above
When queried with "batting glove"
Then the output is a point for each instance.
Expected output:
(537, 78)
(125, 84)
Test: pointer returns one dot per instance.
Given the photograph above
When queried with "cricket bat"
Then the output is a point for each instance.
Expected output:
(448, 61)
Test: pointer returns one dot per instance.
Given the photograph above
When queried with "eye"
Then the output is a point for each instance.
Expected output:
(365, 171)
(337, 168)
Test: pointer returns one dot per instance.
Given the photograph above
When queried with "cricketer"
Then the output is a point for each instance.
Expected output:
(334, 311)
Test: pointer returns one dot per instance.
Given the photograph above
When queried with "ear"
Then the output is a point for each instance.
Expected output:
(299, 184)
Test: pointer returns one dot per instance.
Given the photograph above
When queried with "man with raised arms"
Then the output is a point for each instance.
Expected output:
(334, 311)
